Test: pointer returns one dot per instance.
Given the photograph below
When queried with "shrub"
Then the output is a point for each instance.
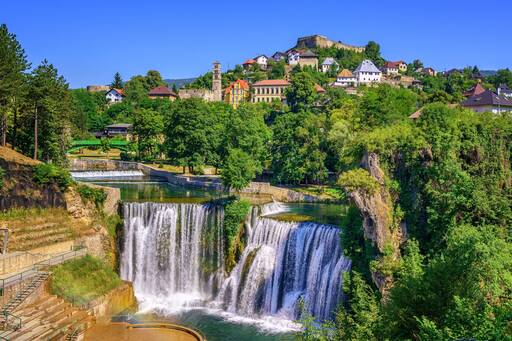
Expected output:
(91, 194)
(358, 179)
(234, 216)
(46, 173)
(82, 280)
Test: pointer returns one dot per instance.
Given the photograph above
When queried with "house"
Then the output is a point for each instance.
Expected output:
(488, 101)
(319, 89)
(308, 58)
(162, 92)
(367, 73)
(118, 129)
(293, 57)
(328, 64)
(393, 68)
(279, 56)
(262, 61)
(115, 95)
(345, 79)
(237, 92)
(504, 90)
(269, 90)
(427, 71)
(476, 90)
(248, 64)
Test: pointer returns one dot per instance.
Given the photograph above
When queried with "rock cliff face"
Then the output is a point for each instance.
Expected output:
(378, 224)
(19, 189)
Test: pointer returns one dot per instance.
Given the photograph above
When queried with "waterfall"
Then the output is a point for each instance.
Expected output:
(175, 253)
(106, 174)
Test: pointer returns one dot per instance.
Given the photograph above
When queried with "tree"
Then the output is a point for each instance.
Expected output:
(238, 171)
(148, 125)
(301, 93)
(51, 106)
(117, 83)
(153, 79)
(372, 52)
(13, 64)
(105, 145)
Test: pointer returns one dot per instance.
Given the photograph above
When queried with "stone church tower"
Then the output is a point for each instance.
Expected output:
(217, 82)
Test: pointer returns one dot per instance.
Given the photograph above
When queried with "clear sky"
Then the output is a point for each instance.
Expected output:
(88, 41)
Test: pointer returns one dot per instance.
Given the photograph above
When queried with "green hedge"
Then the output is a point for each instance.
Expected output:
(46, 173)
(91, 194)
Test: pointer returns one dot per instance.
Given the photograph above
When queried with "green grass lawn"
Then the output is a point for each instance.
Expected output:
(82, 280)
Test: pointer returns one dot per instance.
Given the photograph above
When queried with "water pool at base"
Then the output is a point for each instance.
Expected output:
(214, 324)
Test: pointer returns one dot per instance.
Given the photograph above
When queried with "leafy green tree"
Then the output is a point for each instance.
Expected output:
(117, 83)
(154, 79)
(372, 52)
(277, 70)
(13, 64)
(238, 171)
(148, 125)
(301, 93)
(105, 145)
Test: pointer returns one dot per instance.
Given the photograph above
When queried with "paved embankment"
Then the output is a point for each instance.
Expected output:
(212, 182)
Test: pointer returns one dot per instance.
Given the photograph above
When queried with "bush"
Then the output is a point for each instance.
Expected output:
(358, 179)
(91, 194)
(46, 173)
(82, 280)
(234, 216)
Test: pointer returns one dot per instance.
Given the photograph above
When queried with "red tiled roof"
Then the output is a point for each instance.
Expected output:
(272, 82)
(392, 65)
(243, 85)
(161, 91)
(476, 90)
(119, 91)
(249, 62)
(318, 88)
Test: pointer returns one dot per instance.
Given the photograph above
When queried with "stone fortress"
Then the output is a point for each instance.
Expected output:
(319, 41)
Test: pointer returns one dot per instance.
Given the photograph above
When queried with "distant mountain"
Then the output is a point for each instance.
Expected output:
(179, 82)
(487, 73)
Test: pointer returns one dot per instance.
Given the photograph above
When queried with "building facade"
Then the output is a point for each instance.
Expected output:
(329, 64)
(237, 92)
(115, 96)
(162, 92)
(269, 90)
(367, 73)
(308, 58)
(262, 61)
(488, 101)
(345, 79)
(217, 82)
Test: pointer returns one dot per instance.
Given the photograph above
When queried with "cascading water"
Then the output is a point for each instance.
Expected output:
(106, 174)
(174, 255)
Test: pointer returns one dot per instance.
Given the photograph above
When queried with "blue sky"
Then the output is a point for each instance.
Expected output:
(88, 41)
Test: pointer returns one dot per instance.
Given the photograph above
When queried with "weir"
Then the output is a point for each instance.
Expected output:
(106, 174)
(174, 253)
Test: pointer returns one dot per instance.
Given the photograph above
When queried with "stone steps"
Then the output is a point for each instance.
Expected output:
(50, 318)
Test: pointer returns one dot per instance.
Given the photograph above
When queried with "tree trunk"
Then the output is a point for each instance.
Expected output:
(184, 170)
(35, 135)
(14, 124)
(3, 126)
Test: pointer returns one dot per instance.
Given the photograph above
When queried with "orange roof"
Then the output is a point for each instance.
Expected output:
(243, 85)
(119, 91)
(272, 82)
(318, 88)
(249, 62)
(345, 74)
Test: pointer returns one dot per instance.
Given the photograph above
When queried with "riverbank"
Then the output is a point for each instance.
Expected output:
(205, 182)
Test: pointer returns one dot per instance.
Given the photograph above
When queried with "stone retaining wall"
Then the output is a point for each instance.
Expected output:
(118, 300)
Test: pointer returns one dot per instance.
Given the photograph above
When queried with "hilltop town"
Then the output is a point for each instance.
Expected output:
(332, 64)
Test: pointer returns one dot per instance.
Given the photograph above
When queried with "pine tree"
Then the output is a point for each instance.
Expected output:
(117, 83)
(13, 64)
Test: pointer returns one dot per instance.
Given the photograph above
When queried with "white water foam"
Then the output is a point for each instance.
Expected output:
(106, 174)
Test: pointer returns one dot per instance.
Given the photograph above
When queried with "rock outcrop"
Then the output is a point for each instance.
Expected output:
(379, 224)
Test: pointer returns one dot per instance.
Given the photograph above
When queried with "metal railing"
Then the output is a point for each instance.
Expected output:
(36, 268)
(6, 315)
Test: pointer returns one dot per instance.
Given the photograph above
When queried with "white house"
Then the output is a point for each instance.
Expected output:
(367, 73)
(293, 57)
(345, 79)
(115, 95)
(488, 101)
(262, 61)
(328, 64)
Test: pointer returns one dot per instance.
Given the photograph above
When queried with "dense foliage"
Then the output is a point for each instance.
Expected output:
(84, 279)
(235, 213)
(47, 173)
(97, 196)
